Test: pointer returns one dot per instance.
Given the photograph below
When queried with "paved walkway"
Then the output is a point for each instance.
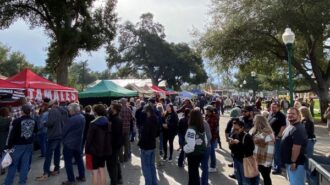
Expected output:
(170, 174)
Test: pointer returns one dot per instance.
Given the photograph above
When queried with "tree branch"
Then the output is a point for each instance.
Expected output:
(26, 6)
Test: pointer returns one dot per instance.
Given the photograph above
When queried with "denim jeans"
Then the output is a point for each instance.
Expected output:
(69, 154)
(42, 137)
(296, 177)
(21, 155)
(205, 167)
(252, 181)
(310, 147)
(148, 167)
(277, 155)
(212, 153)
(52, 146)
(239, 172)
(182, 154)
(310, 177)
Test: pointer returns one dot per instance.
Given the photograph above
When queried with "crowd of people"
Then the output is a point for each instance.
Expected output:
(268, 139)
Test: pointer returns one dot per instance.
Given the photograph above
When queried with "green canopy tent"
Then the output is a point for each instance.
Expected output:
(106, 88)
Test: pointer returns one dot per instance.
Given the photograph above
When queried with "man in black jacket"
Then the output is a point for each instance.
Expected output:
(21, 140)
(113, 164)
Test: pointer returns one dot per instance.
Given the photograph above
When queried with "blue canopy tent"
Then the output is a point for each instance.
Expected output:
(198, 92)
(187, 94)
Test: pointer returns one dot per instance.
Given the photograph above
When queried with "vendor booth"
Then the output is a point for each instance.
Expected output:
(10, 91)
(142, 92)
(104, 92)
(187, 94)
(37, 87)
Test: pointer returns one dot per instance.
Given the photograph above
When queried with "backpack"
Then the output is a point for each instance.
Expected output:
(200, 146)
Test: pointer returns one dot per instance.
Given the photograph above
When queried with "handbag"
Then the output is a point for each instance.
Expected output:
(7, 160)
(250, 165)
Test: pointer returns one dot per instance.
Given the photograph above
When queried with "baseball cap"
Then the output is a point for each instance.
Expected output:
(247, 109)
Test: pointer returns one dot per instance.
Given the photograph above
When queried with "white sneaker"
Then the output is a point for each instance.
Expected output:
(212, 170)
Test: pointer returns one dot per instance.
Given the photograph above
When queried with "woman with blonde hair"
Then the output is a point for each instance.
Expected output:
(264, 141)
(308, 122)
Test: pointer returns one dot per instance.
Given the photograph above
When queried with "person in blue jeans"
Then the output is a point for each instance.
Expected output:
(56, 117)
(308, 122)
(42, 130)
(73, 131)
(182, 129)
(21, 141)
(293, 146)
(277, 121)
(206, 157)
(147, 144)
(241, 145)
(213, 121)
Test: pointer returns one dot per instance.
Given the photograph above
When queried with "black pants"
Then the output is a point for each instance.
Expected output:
(194, 162)
(113, 167)
(168, 137)
(265, 172)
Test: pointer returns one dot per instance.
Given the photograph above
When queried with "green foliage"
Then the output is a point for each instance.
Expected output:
(143, 52)
(12, 63)
(71, 24)
(247, 30)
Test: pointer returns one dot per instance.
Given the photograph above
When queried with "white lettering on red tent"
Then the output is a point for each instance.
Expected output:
(62, 96)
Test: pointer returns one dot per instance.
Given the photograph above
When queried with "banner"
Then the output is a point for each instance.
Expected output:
(61, 96)
(11, 94)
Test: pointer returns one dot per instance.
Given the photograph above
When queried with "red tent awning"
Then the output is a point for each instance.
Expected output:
(8, 85)
(159, 90)
(38, 87)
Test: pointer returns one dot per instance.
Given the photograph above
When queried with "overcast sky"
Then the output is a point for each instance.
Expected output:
(179, 18)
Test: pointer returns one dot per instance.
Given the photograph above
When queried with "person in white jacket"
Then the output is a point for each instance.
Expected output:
(196, 145)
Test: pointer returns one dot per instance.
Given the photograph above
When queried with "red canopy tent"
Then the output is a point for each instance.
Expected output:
(8, 85)
(38, 87)
(161, 91)
(10, 90)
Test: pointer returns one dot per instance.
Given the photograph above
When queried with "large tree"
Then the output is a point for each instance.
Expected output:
(143, 52)
(72, 25)
(251, 29)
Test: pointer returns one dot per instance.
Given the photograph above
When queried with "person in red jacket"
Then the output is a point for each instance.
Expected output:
(213, 121)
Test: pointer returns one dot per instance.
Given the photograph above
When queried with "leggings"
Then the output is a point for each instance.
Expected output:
(168, 137)
(265, 172)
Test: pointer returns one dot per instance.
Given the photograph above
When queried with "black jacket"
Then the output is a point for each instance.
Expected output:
(309, 126)
(183, 126)
(172, 122)
(149, 133)
(117, 130)
(99, 138)
(22, 132)
(240, 150)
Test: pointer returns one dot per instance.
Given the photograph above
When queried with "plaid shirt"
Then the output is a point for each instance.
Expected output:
(265, 152)
(213, 122)
(126, 117)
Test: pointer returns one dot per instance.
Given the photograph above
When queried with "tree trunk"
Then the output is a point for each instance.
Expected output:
(324, 100)
(154, 81)
(62, 71)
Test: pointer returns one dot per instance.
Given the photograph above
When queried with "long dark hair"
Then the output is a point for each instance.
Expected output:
(196, 120)
(172, 110)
